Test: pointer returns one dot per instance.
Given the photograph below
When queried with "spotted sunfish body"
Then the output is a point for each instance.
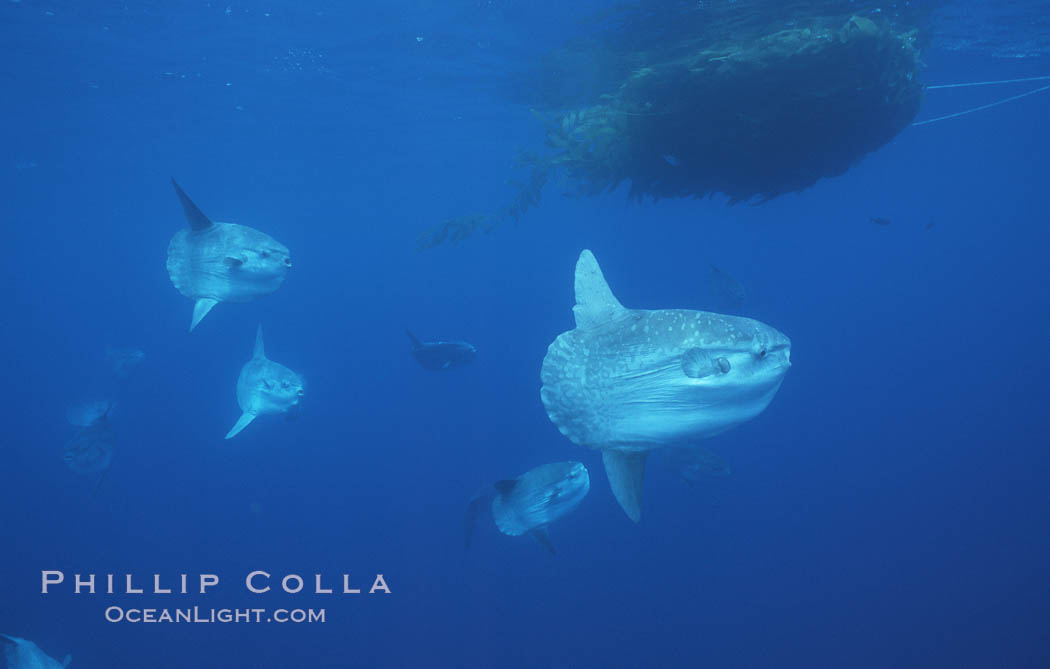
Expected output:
(628, 381)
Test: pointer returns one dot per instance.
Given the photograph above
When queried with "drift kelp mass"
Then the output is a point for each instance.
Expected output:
(749, 106)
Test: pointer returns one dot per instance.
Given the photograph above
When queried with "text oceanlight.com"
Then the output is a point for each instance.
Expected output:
(197, 614)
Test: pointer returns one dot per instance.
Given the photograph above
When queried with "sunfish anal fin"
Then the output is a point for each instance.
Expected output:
(474, 509)
(242, 423)
(201, 309)
(194, 216)
(260, 350)
(542, 538)
(626, 472)
(504, 487)
(595, 302)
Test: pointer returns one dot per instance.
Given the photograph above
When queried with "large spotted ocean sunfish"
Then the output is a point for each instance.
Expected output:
(629, 381)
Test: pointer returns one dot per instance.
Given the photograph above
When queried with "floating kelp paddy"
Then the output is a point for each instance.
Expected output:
(742, 107)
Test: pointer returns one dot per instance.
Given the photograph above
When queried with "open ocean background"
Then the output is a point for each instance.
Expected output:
(890, 508)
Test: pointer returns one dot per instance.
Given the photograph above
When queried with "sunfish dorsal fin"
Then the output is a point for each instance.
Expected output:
(595, 302)
(626, 471)
(241, 423)
(542, 538)
(260, 351)
(194, 216)
(201, 309)
(67, 660)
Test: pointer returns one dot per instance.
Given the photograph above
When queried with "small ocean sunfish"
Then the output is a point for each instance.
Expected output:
(91, 450)
(265, 387)
(24, 654)
(441, 354)
(531, 502)
(212, 262)
(123, 361)
(87, 412)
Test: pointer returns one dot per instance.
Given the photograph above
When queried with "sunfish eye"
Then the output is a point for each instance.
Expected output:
(762, 353)
(723, 365)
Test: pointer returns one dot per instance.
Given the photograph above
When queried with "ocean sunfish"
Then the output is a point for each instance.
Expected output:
(212, 262)
(531, 502)
(265, 387)
(123, 361)
(628, 381)
(90, 452)
(87, 412)
(24, 654)
(441, 354)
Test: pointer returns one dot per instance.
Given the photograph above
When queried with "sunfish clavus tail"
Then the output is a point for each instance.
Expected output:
(211, 262)
(628, 381)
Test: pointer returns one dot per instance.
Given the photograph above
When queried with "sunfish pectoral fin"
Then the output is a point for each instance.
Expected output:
(67, 660)
(260, 350)
(242, 423)
(201, 309)
(98, 484)
(414, 339)
(543, 538)
(194, 216)
(626, 470)
(595, 302)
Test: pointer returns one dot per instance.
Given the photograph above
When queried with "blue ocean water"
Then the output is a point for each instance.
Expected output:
(889, 508)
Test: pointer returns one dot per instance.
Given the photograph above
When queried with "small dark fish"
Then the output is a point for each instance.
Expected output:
(929, 226)
(879, 220)
(441, 354)
(694, 463)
